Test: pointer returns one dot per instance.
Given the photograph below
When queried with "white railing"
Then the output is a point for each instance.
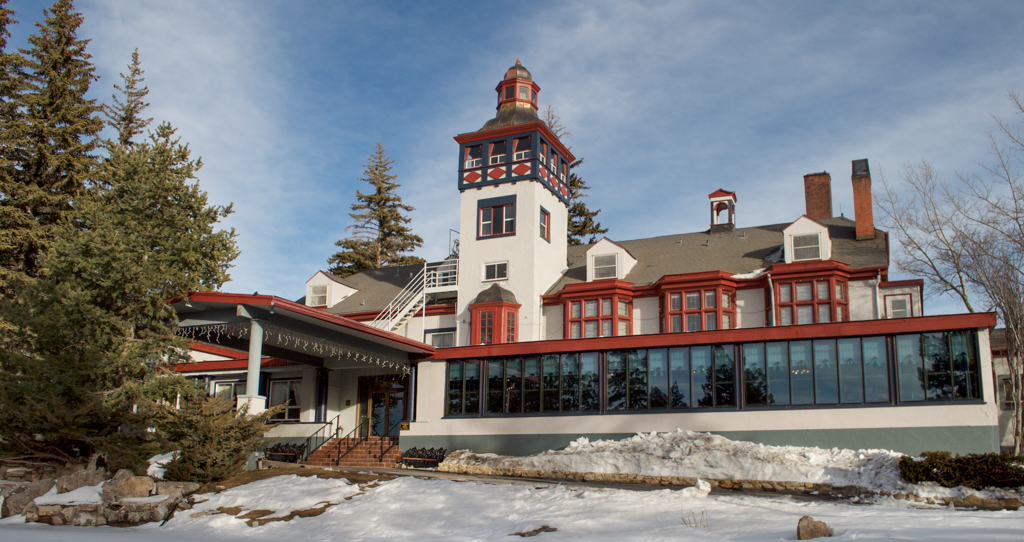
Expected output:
(436, 276)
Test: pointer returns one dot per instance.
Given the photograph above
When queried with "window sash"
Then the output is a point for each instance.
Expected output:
(806, 247)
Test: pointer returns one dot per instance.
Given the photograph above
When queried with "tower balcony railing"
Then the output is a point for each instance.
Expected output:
(441, 276)
(435, 277)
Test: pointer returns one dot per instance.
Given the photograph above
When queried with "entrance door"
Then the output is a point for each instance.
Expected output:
(383, 404)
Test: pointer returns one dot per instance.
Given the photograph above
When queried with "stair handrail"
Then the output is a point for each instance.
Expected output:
(394, 442)
(443, 273)
(402, 302)
(359, 440)
(320, 437)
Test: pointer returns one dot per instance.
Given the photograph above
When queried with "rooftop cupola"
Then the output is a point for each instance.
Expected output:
(517, 99)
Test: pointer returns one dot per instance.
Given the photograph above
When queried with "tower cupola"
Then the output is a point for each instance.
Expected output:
(723, 209)
(517, 99)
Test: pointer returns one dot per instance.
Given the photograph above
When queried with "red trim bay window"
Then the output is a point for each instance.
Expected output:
(811, 301)
(494, 323)
(606, 316)
(703, 309)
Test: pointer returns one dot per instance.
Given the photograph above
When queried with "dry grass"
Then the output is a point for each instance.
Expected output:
(694, 522)
(248, 477)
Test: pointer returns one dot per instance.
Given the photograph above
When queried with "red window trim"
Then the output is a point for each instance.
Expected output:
(718, 311)
(814, 302)
(499, 312)
(599, 298)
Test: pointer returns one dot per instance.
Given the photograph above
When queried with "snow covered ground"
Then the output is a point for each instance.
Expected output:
(441, 510)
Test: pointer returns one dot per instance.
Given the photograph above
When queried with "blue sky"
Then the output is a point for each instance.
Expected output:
(666, 101)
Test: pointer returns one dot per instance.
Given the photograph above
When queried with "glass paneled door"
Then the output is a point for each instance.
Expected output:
(383, 404)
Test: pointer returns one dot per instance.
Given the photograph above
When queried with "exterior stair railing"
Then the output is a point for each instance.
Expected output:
(322, 435)
(392, 440)
(434, 277)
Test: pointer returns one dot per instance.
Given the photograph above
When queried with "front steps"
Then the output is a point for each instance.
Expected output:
(365, 453)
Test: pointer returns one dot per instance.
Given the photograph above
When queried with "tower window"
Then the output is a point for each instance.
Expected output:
(524, 93)
(496, 271)
(499, 152)
(498, 220)
(474, 156)
(543, 152)
(510, 92)
(545, 225)
(522, 148)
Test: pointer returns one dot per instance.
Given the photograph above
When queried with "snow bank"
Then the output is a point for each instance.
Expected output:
(82, 495)
(705, 455)
(158, 464)
(282, 494)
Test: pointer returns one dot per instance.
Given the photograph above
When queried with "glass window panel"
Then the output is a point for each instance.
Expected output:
(676, 302)
(786, 316)
(677, 323)
(531, 385)
(606, 307)
(495, 387)
(514, 385)
(909, 368)
(839, 291)
(822, 290)
(591, 329)
(510, 92)
(726, 321)
(606, 328)
(755, 379)
(700, 377)
(777, 358)
(851, 371)
(939, 377)
(826, 388)
(710, 321)
(524, 93)
(239, 389)
(726, 300)
(679, 377)
(570, 383)
(824, 312)
(693, 322)
(693, 300)
(623, 328)
(800, 376)
(575, 330)
(804, 291)
(785, 293)
(472, 393)
(575, 309)
(590, 382)
(637, 360)
(805, 247)
(840, 314)
(278, 393)
(709, 299)
(657, 363)
(725, 376)
(590, 309)
(223, 390)
(965, 365)
(623, 308)
(805, 314)
(876, 371)
(455, 388)
(616, 380)
(550, 398)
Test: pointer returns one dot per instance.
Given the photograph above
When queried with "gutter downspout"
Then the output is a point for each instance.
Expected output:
(878, 292)
(771, 298)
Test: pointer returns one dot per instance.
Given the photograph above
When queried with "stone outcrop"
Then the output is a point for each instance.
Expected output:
(24, 494)
(807, 529)
(82, 478)
(125, 485)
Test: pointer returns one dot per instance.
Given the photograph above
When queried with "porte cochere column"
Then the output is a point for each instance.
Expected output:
(257, 403)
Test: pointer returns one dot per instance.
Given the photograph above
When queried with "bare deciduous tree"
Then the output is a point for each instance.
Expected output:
(966, 238)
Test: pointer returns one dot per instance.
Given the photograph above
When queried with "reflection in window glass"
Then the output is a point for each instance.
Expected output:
(876, 371)
(531, 385)
(801, 384)
(471, 393)
(675, 302)
(637, 360)
(657, 362)
(755, 379)
(826, 390)
(965, 365)
(851, 381)
(455, 388)
(693, 322)
(549, 384)
(693, 300)
(514, 382)
(777, 358)
(590, 383)
(725, 376)
(709, 299)
(616, 380)
(909, 368)
(939, 375)
(495, 387)
(679, 377)
(700, 377)
(570, 383)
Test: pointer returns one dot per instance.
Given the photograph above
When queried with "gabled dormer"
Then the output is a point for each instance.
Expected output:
(324, 290)
(608, 260)
(807, 239)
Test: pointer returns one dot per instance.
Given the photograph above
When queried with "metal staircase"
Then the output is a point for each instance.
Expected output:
(435, 277)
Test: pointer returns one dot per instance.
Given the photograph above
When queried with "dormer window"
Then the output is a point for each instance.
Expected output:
(806, 247)
(317, 296)
(474, 156)
(522, 148)
(498, 152)
(524, 93)
(604, 267)
(510, 92)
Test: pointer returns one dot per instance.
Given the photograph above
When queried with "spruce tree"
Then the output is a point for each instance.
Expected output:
(126, 116)
(582, 221)
(380, 235)
(15, 220)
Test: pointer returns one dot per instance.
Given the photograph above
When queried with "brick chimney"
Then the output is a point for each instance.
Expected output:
(818, 194)
(862, 200)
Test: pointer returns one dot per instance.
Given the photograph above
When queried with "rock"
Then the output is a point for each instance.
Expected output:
(136, 511)
(125, 485)
(807, 529)
(15, 503)
(181, 489)
(972, 500)
(1010, 504)
(81, 478)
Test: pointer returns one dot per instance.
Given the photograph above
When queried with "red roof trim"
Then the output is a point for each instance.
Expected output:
(722, 192)
(219, 350)
(227, 364)
(539, 125)
(298, 308)
(898, 283)
(816, 331)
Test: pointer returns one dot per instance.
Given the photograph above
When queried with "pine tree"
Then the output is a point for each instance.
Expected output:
(126, 116)
(582, 221)
(55, 131)
(381, 237)
(15, 220)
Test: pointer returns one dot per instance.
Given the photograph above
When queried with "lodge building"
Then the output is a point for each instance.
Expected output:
(788, 333)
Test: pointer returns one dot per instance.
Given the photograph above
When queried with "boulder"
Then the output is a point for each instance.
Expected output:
(136, 511)
(807, 529)
(15, 503)
(181, 489)
(125, 485)
(81, 478)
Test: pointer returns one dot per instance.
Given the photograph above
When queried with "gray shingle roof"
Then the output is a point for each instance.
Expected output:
(376, 288)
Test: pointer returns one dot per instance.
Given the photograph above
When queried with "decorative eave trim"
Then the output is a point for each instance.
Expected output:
(432, 310)
(539, 126)
(227, 364)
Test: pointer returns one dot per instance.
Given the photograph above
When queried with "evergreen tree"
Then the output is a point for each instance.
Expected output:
(126, 117)
(15, 221)
(381, 237)
(54, 133)
(582, 221)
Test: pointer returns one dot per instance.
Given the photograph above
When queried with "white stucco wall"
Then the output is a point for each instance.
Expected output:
(335, 290)
(554, 323)
(863, 301)
(646, 316)
(912, 291)
(750, 309)
(624, 262)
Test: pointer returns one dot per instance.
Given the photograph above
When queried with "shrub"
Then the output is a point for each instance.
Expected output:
(214, 440)
(976, 471)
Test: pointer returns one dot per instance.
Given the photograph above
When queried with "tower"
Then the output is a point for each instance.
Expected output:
(513, 175)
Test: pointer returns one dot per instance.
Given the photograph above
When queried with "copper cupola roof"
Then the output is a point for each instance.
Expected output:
(517, 99)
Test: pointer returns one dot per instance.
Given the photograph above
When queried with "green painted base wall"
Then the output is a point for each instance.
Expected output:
(908, 440)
